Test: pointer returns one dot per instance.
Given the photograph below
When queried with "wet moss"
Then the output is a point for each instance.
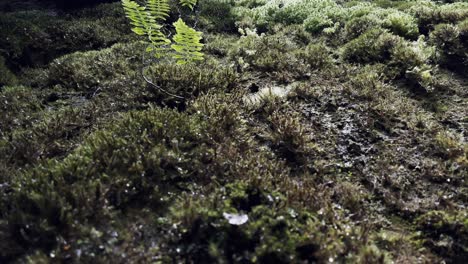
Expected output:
(450, 41)
(270, 231)
(446, 233)
(308, 142)
(18, 105)
(6, 76)
(399, 55)
(32, 38)
(155, 153)
(87, 71)
(430, 15)
(188, 81)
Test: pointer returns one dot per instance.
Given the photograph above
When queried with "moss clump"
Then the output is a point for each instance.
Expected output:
(290, 139)
(451, 42)
(130, 161)
(364, 17)
(49, 134)
(17, 107)
(189, 81)
(317, 56)
(87, 71)
(283, 55)
(6, 76)
(446, 233)
(430, 14)
(269, 53)
(217, 16)
(268, 230)
(380, 46)
(32, 38)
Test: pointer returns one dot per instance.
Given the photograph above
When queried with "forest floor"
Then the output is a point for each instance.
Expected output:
(313, 132)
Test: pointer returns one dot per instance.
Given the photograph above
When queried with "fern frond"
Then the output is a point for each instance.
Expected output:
(187, 43)
(137, 15)
(144, 24)
(159, 9)
(188, 3)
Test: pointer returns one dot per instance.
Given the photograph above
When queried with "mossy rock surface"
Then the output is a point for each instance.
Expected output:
(313, 132)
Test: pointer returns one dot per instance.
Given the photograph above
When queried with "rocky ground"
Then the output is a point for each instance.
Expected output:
(313, 132)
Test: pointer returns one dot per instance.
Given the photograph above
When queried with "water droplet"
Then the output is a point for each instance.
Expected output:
(236, 219)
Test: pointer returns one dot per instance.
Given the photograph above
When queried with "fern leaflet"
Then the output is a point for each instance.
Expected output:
(188, 3)
(187, 43)
(159, 9)
(137, 15)
(144, 24)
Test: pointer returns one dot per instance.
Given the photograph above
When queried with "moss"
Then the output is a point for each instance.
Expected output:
(451, 42)
(87, 71)
(290, 139)
(127, 166)
(6, 76)
(52, 135)
(358, 25)
(32, 38)
(445, 233)
(289, 145)
(373, 46)
(402, 24)
(282, 54)
(217, 16)
(272, 230)
(219, 44)
(317, 56)
(429, 14)
(18, 104)
(189, 81)
(379, 46)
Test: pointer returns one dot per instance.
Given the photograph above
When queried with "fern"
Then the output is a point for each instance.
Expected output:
(187, 43)
(144, 23)
(138, 16)
(188, 3)
(144, 20)
(159, 9)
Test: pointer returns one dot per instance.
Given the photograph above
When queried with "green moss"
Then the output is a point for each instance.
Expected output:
(87, 71)
(308, 129)
(446, 233)
(373, 46)
(53, 134)
(270, 232)
(217, 15)
(6, 76)
(380, 46)
(189, 81)
(429, 14)
(132, 160)
(450, 40)
(18, 104)
(32, 38)
(290, 138)
(317, 56)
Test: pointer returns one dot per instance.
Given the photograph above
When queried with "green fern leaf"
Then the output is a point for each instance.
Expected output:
(188, 3)
(187, 45)
(144, 24)
(159, 9)
(137, 15)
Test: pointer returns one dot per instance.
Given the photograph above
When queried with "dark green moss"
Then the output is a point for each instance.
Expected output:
(322, 142)
(6, 76)
(446, 233)
(452, 43)
(155, 153)
(32, 38)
